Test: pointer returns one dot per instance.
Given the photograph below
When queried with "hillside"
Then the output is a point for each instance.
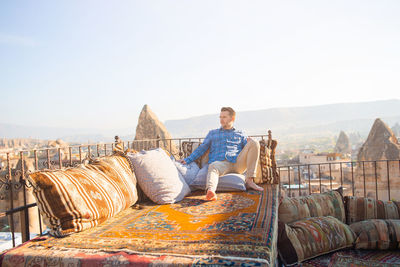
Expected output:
(13, 131)
(293, 127)
(298, 125)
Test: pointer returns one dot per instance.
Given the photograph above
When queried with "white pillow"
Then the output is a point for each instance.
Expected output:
(188, 171)
(227, 182)
(158, 177)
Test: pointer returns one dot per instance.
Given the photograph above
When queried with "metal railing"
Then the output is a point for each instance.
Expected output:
(379, 179)
(18, 206)
(16, 189)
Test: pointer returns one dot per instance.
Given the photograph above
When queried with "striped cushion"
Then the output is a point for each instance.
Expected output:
(324, 204)
(377, 234)
(312, 237)
(79, 198)
(361, 208)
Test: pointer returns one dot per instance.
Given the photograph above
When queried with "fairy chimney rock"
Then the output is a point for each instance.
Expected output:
(343, 144)
(150, 127)
(380, 144)
(396, 129)
(59, 144)
(29, 164)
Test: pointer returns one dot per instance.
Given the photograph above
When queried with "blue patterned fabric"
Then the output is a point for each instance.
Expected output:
(223, 145)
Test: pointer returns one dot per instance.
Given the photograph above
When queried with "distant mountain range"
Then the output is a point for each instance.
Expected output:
(293, 125)
(70, 135)
(298, 124)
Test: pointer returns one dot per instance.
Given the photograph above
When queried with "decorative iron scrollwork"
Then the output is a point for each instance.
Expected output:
(46, 166)
(4, 186)
(20, 182)
(27, 182)
(75, 163)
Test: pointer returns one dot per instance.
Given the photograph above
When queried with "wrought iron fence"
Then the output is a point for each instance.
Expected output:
(379, 179)
(15, 190)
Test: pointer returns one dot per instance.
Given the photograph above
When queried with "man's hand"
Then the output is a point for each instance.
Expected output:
(182, 161)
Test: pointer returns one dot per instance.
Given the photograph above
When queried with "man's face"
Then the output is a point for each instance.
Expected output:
(226, 120)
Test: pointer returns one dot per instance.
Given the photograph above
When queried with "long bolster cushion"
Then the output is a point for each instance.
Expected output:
(363, 208)
(315, 205)
(377, 234)
(312, 237)
(75, 199)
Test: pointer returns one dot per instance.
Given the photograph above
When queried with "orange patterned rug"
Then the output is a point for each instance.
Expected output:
(239, 225)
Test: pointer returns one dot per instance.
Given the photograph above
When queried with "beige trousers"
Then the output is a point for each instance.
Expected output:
(246, 160)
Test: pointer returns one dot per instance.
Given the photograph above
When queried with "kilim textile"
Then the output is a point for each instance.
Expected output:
(366, 258)
(311, 237)
(268, 162)
(355, 258)
(377, 234)
(321, 261)
(360, 208)
(240, 228)
(315, 205)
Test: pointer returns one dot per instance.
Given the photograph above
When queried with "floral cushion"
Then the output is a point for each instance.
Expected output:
(79, 198)
(324, 204)
(377, 234)
(311, 237)
(362, 208)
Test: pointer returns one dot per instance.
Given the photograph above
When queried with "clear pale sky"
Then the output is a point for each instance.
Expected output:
(94, 64)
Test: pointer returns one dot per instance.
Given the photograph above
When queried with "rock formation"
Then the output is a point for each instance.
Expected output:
(29, 164)
(343, 144)
(59, 144)
(380, 144)
(150, 127)
(21, 143)
(396, 129)
(356, 139)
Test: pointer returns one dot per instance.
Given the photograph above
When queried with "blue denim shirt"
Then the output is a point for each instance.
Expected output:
(223, 145)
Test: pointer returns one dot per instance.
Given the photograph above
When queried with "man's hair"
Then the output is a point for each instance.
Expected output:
(232, 113)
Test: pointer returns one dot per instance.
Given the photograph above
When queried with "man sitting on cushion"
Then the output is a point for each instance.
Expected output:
(230, 152)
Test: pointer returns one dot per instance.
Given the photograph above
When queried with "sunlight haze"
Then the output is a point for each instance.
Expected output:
(94, 64)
